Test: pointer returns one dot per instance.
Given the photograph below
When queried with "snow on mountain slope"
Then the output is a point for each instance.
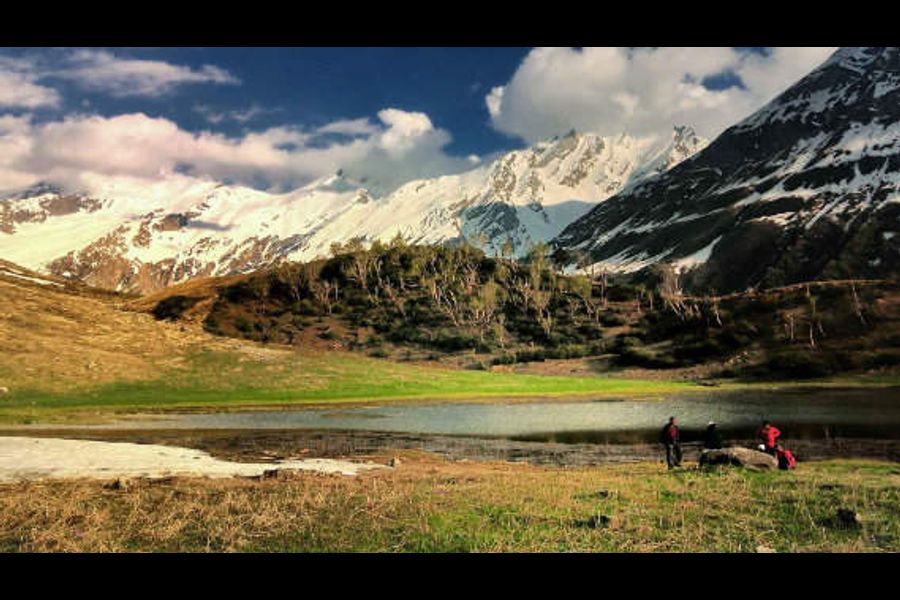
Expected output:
(134, 236)
(806, 187)
(524, 197)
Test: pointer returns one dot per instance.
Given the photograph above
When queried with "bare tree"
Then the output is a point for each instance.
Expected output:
(857, 305)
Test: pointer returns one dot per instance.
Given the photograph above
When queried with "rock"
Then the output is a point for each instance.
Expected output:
(4, 391)
(738, 457)
(119, 484)
(598, 521)
(708, 383)
(847, 518)
(270, 474)
(765, 550)
(603, 493)
(394, 462)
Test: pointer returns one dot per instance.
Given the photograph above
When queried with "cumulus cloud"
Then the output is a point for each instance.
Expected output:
(407, 131)
(642, 91)
(77, 149)
(103, 71)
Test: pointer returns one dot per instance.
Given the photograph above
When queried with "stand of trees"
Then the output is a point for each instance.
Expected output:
(455, 298)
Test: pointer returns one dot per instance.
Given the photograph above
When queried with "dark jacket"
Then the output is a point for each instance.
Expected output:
(670, 434)
(712, 439)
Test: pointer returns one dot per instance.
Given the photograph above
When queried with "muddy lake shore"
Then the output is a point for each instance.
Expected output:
(291, 444)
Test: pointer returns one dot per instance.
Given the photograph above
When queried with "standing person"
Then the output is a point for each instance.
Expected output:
(712, 440)
(768, 433)
(671, 438)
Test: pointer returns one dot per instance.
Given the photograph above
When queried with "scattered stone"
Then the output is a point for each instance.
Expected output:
(603, 493)
(830, 486)
(119, 484)
(848, 518)
(4, 391)
(598, 521)
(738, 457)
(765, 550)
(394, 462)
(708, 383)
(270, 474)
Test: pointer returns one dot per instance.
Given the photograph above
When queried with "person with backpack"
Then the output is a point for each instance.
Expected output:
(671, 439)
(712, 439)
(785, 458)
(768, 434)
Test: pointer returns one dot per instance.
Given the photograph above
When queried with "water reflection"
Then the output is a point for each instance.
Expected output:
(800, 414)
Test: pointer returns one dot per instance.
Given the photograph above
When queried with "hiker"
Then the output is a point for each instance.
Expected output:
(712, 440)
(768, 433)
(671, 438)
(785, 458)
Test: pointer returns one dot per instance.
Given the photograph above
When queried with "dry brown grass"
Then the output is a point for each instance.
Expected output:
(206, 288)
(59, 340)
(428, 504)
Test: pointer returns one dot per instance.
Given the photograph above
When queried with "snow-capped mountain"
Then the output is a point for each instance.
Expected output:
(807, 187)
(139, 237)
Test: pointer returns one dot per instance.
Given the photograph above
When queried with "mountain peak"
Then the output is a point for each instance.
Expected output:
(39, 189)
(806, 187)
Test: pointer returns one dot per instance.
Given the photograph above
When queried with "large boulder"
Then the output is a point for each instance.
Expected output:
(738, 457)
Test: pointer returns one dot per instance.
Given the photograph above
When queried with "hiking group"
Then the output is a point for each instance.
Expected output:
(768, 434)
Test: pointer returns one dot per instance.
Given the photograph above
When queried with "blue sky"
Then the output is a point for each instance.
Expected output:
(315, 86)
(281, 117)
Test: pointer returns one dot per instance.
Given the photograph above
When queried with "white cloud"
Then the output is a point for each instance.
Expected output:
(639, 91)
(494, 100)
(103, 71)
(19, 87)
(407, 131)
(241, 115)
(78, 149)
(24, 80)
(362, 126)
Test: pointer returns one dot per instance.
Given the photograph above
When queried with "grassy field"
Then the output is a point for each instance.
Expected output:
(210, 379)
(430, 505)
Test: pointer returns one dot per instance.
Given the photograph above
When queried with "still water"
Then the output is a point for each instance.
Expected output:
(799, 413)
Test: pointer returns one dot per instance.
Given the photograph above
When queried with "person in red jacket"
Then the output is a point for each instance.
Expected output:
(671, 438)
(785, 458)
(768, 433)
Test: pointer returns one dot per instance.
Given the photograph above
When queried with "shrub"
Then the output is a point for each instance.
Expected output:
(883, 359)
(504, 359)
(242, 324)
(173, 307)
(799, 365)
(625, 342)
(531, 356)
(645, 357)
(610, 319)
(699, 351)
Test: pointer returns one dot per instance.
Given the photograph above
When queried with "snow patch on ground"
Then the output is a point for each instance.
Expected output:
(26, 458)
(9, 273)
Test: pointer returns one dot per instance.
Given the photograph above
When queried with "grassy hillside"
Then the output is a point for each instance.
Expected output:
(65, 354)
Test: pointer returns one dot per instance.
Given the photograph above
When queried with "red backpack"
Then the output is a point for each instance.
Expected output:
(786, 460)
